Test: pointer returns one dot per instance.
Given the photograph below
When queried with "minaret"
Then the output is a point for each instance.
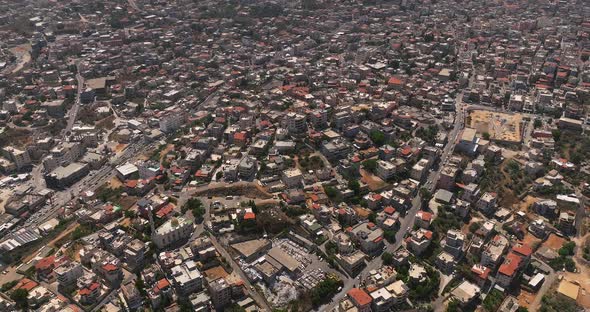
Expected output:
(151, 216)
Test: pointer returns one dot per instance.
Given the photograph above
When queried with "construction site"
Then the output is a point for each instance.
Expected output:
(501, 127)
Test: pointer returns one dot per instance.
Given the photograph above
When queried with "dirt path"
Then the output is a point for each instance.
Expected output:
(66, 232)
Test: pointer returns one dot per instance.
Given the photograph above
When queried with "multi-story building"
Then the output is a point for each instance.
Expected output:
(292, 177)
(131, 294)
(352, 262)
(487, 202)
(566, 222)
(296, 124)
(187, 278)
(385, 170)
(63, 154)
(368, 236)
(454, 242)
(171, 120)
(447, 177)
(172, 231)
(89, 289)
(247, 167)
(419, 240)
(21, 159)
(335, 149)
(420, 169)
(509, 269)
(134, 254)
(468, 142)
(67, 274)
(220, 292)
(493, 251)
(423, 219)
(62, 177)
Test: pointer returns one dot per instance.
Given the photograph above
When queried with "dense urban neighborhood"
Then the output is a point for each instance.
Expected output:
(294, 155)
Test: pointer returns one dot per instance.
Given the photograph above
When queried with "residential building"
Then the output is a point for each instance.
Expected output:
(187, 278)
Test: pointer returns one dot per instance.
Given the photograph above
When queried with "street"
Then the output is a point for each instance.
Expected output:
(408, 221)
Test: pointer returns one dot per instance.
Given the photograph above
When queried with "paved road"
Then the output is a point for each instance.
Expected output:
(73, 113)
(408, 221)
(549, 281)
(249, 288)
(580, 212)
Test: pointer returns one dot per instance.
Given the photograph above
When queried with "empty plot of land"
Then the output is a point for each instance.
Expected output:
(525, 298)
(501, 127)
(530, 239)
(554, 242)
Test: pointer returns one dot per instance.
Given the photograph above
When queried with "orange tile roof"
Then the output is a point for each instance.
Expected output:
(131, 183)
(394, 81)
(45, 263)
(162, 284)
(109, 267)
(510, 264)
(523, 249)
(389, 210)
(360, 297)
(249, 216)
(165, 211)
(88, 290)
(424, 215)
(481, 272)
(27, 284)
(240, 136)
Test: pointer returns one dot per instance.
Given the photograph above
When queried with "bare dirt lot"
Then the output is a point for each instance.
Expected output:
(375, 183)
(525, 204)
(530, 239)
(554, 242)
(525, 298)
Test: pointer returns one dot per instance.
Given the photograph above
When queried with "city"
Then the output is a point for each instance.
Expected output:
(294, 155)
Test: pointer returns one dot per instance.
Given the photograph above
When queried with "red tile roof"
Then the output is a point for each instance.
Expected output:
(360, 297)
(249, 216)
(394, 81)
(45, 263)
(389, 210)
(88, 290)
(27, 284)
(240, 136)
(523, 249)
(424, 215)
(161, 285)
(165, 211)
(109, 267)
(510, 264)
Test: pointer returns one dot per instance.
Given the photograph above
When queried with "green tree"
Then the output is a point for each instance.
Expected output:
(567, 249)
(370, 165)
(195, 206)
(20, 297)
(387, 258)
(537, 123)
(377, 137)
(330, 191)
(8, 286)
(389, 236)
(493, 300)
(556, 135)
